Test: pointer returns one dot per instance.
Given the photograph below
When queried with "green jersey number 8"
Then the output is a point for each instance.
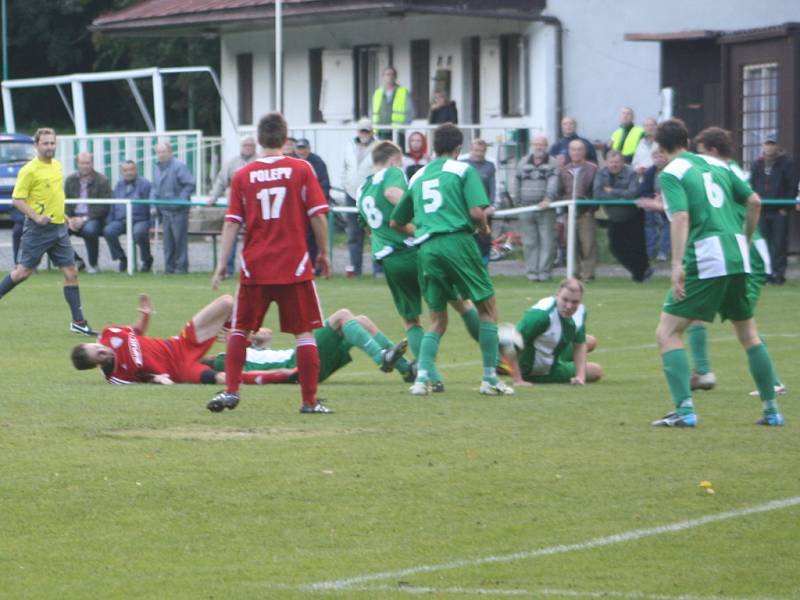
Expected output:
(714, 193)
(374, 216)
(431, 196)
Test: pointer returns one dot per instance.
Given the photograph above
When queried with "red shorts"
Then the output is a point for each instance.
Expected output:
(186, 353)
(298, 306)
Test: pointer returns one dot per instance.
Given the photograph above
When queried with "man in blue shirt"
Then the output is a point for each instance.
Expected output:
(130, 187)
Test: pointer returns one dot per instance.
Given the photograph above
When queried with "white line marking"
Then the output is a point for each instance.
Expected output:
(635, 534)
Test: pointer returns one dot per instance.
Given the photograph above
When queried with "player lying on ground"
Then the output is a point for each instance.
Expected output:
(126, 355)
(342, 331)
(710, 268)
(396, 252)
(554, 341)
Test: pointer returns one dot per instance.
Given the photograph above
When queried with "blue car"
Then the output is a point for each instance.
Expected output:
(15, 151)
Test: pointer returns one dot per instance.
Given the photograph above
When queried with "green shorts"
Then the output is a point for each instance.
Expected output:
(755, 282)
(728, 295)
(402, 276)
(452, 268)
(334, 352)
(561, 372)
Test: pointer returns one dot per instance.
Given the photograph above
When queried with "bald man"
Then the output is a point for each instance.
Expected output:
(173, 181)
(86, 220)
(536, 184)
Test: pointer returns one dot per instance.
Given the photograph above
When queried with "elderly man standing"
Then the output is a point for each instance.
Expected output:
(357, 167)
(626, 137)
(643, 157)
(536, 184)
(173, 181)
(86, 220)
(618, 181)
(130, 187)
(577, 181)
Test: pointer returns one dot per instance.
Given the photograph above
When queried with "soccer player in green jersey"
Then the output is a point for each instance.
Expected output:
(446, 202)
(554, 339)
(396, 251)
(710, 268)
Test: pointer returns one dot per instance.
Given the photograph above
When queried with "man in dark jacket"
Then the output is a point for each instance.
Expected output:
(772, 177)
(86, 220)
(560, 149)
(618, 181)
(130, 187)
(303, 148)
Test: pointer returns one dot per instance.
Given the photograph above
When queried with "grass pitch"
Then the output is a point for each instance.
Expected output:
(139, 492)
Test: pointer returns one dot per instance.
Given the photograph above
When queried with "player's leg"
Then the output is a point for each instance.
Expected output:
(469, 314)
(63, 256)
(428, 350)
(675, 362)
(761, 370)
(489, 344)
(755, 283)
(211, 319)
(702, 377)
(392, 354)
(355, 333)
(36, 240)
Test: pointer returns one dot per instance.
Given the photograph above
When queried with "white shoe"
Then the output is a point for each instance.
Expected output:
(420, 388)
(498, 389)
(91, 270)
(707, 381)
(780, 390)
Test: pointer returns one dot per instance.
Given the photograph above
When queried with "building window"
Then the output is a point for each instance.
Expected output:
(367, 62)
(244, 76)
(514, 74)
(420, 83)
(315, 74)
(759, 108)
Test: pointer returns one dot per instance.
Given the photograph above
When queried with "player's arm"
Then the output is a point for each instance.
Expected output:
(579, 356)
(403, 213)
(230, 231)
(677, 210)
(319, 225)
(393, 195)
(161, 379)
(477, 200)
(22, 188)
(752, 215)
(145, 309)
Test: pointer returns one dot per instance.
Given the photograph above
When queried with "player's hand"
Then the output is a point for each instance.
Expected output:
(577, 381)
(678, 283)
(219, 275)
(324, 265)
(42, 219)
(145, 304)
(162, 379)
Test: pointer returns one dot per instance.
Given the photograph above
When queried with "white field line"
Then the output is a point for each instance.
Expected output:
(635, 534)
(601, 349)
(408, 589)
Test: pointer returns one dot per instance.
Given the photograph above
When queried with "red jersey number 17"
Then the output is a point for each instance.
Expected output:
(271, 202)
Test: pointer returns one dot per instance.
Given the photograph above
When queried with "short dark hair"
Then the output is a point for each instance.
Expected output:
(384, 151)
(672, 135)
(42, 131)
(446, 138)
(80, 358)
(717, 138)
(272, 131)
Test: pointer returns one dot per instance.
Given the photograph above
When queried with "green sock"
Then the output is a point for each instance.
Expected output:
(676, 370)
(473, 323)
(777, 381)
(427, 355)
(488, 342)
(761, 370)
(414, 336)
(385, 343)
(698, 346)
(355, 335)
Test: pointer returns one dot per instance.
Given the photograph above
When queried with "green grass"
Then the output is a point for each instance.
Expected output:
(139, 492)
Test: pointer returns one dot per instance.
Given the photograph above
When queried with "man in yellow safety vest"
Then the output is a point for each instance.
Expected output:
(626, 137)
(391, 104)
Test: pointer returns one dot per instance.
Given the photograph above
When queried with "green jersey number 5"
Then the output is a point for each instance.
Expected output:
(431, 196)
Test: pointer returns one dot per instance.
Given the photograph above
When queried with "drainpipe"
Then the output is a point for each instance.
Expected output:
(559, 27)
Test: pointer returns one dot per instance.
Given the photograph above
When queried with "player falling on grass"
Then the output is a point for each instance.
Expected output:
(126, 355)
(39, 195)
(446, 201)
(710, 268)
(716, 142)
(342, 331)
(396, 252)
(276, 197)
(555, 343)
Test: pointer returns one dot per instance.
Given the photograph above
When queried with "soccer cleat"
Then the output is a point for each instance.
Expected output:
(420, 388)
(82, 328)
(411, 375)
(780, 390)
(771, 420)
(437, 387)
(673, 419)
(316, 409)
(706, 381)
(503, 367)
(223, 400)
(496, 389)
(392, 355)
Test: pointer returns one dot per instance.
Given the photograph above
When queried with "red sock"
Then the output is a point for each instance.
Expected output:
(235, 355)
(263, 377)
(308, 369)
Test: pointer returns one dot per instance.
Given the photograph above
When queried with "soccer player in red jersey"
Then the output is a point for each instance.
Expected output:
(275, 197)
(126, 355)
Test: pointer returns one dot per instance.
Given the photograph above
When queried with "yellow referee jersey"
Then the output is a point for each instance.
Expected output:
(41, 185)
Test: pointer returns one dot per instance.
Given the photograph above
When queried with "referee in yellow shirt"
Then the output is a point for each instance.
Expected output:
(39, 195)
